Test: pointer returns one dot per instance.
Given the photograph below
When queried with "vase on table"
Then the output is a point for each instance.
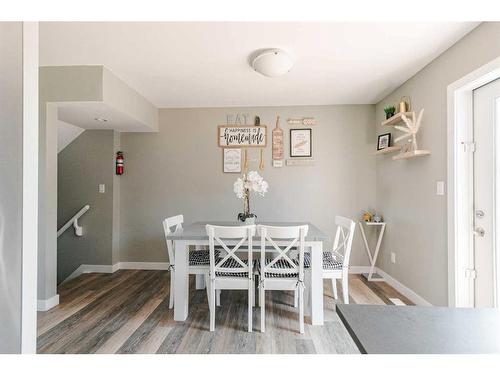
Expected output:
(243, 187)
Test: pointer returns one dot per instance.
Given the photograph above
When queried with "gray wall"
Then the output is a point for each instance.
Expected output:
(417, 225)
(11, 159)
(179, 170)
(82, 166)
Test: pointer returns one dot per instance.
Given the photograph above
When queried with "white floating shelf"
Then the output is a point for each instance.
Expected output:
(387, 150)
(299, 162)
(411, 154)
(396, 119)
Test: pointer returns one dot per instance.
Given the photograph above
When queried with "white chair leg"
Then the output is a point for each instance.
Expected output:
(171, 300)
(301, 308)
(258, 289)
(345, 289)
(207, 287)
(295, 299)
(262, 302)
(334, 287)
(218, 297)
(251, 303)
(212, 306)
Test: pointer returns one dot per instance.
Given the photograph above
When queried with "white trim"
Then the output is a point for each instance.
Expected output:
(102, 268)
(161, 266)
(47, 304)
(359, 269)
(459, 214)
(404, 290)
(30, 190)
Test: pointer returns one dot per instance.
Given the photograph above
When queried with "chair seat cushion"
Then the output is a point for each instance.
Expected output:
(329, 261)
(232, 263)
(201, 257)
(281, 264)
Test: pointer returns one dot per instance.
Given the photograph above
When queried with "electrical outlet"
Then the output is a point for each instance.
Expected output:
(393, 257)
(102, 188)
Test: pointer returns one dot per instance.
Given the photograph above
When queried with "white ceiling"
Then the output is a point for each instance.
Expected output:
(84, 114)
(206, 64)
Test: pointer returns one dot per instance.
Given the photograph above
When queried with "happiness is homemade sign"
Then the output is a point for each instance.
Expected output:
(242, 136)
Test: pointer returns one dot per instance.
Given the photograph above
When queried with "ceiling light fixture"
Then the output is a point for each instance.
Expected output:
(272, 62)
(100, 119)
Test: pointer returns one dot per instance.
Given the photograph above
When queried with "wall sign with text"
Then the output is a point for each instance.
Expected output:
(242, 136)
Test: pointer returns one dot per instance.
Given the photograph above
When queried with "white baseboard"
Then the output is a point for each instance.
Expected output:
(359, 269)
(404, 290)
(160, 266)
(102, 268)
(47, 304)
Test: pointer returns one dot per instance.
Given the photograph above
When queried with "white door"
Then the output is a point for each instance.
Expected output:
(486, 208)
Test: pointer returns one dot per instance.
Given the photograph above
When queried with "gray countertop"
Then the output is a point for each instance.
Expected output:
(421, 330)
(197, 231)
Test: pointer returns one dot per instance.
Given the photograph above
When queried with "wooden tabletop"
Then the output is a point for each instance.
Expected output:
(197, 230)
(421, 330)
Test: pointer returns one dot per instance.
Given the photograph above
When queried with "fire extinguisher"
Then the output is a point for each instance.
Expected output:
(119, 163)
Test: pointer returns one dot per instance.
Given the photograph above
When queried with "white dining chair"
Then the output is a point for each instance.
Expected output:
(228, 270)
(199, 260)
(336, 261)
(278, 270)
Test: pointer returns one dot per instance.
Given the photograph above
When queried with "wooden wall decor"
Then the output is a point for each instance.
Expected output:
(234, 136)
(278, 146)
(306, 121)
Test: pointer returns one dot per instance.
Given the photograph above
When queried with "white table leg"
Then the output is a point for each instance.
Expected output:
(200, 281)
(181, 305)
(316, 283)
(377, 248)
(372, 258)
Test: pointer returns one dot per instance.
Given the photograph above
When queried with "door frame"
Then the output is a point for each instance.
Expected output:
(460, 181)
(30, 189)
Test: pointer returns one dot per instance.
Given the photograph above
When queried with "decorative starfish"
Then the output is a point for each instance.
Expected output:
(411, 129)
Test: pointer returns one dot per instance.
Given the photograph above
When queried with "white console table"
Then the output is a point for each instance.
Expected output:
(373, 258)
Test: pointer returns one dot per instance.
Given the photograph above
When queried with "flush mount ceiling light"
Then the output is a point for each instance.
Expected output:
(272, 62)
(100, 119)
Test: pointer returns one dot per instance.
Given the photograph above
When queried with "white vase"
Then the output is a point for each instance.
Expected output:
(250, 221)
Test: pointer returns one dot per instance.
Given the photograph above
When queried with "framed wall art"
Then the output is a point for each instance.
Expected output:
(300, 143)
(233, 136)
(231, 160)
(384, 141)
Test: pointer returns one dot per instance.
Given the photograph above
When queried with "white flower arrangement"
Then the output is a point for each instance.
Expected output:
(242, 188)
(252, 181)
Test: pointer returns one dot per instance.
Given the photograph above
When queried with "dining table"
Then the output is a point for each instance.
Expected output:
(195, 234)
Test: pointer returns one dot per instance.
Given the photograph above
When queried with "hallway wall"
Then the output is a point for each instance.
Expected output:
(87, 162)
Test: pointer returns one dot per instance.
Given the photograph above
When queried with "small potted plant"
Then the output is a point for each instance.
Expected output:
(389, 111)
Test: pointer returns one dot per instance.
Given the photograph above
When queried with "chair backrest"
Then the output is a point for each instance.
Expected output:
(174, 222)
(280, 261)
(229, 261)
(343, 239)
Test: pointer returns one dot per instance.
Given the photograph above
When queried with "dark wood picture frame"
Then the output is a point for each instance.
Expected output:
(310, 142)
(388, 143)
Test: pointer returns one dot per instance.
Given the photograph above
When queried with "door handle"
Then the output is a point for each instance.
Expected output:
(479, 232)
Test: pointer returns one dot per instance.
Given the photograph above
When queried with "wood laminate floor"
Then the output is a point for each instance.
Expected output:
(127, 312)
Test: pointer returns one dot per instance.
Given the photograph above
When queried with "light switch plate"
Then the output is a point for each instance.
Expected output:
(439, 187)
(102, 188)
(393, 257)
